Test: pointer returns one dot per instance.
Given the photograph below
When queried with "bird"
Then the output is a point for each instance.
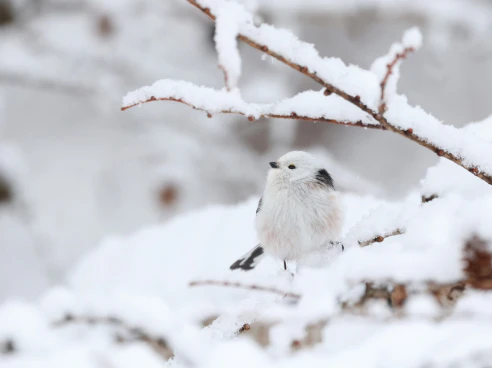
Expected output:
(298, 213)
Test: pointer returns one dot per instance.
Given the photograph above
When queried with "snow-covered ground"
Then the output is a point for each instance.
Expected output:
(129, 292)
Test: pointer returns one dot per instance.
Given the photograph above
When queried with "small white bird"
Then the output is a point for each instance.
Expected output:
(298, 212)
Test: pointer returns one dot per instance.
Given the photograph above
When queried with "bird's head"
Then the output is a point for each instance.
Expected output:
(298, 167)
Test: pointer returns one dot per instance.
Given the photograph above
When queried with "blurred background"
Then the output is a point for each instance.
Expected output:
(74, 168)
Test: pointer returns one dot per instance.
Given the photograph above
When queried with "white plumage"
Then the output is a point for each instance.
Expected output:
(298, 213)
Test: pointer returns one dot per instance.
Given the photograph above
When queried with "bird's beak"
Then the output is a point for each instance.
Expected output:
(274, 165)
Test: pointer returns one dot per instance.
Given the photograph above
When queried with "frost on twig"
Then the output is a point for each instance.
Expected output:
(387, 67)
(362, 88)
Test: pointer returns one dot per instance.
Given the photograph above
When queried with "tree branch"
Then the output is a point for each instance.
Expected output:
(380, 238)
(357, 102)
(292, 116)
(398, 57)
(247, 287)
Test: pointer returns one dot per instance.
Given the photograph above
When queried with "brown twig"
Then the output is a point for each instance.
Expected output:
(293, 115)
(357, 102)
(398, 57)
(159, 344)
(380, 238)
(396, 294)
(426, 199)
(248, 287)
(226, 77)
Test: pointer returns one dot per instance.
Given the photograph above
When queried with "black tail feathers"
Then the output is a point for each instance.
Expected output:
(249, 260)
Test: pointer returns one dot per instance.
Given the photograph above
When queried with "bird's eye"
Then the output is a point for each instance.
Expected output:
(292, 167)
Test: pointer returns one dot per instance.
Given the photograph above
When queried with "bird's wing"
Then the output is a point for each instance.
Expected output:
(259, 205)
(249, 260)
(325, 179)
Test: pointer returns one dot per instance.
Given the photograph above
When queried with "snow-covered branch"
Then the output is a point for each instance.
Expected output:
(362, 89)
(388, 67)
(226, 30)
(380, 238)
(391, 69)
(308, 105)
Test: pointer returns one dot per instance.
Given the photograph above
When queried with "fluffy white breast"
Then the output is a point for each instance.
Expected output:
(295, 219)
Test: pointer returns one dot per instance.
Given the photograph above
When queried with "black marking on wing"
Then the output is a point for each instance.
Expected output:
(259, 205)
(324, 178)
(247, 262)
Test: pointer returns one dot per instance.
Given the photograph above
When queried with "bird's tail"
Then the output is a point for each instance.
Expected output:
(249, 260)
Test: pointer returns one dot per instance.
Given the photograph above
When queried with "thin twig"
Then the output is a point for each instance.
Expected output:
(357, 102)
(380, 238)
(226, 77)
(293, 115)
(243, 286)
(399, 56)
(426, 199)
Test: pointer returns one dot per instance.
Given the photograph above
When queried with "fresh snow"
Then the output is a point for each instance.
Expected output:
(472, 150)
(143, 280)
(412, 38)
(130, 295)
(351, 78)
(228, 19)
(311, 104)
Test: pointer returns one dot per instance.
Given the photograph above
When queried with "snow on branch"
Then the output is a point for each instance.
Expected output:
(308, 105)
(380, 238)
(362, 89)
(388, 67)
(227, 23)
